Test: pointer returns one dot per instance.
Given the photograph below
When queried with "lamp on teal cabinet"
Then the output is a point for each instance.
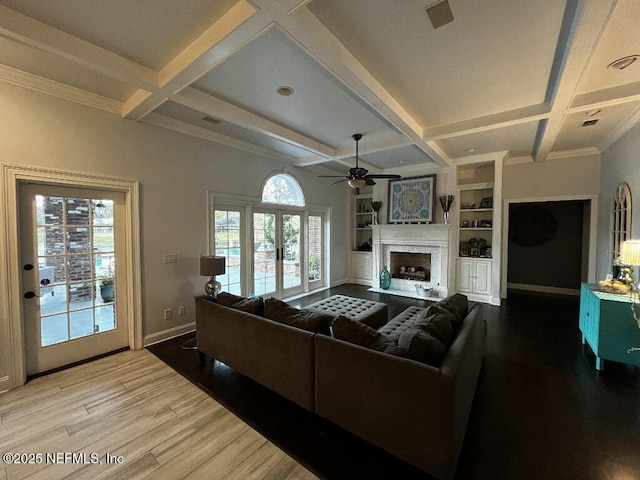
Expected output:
(630, 255)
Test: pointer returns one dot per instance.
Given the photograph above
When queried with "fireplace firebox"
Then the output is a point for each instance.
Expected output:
(410, 266)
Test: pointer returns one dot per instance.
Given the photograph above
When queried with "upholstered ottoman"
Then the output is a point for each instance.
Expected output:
(368, 312)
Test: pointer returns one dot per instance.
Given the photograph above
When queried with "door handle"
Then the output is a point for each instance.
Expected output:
(30, 294)
(277, 254)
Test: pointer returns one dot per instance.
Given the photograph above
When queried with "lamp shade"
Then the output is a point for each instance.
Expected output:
(630, 252)
(210, 266)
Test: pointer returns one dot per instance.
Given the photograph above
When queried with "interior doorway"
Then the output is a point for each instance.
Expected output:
(548, 245)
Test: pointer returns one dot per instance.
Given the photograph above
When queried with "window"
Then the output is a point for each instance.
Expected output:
(282, 189)
(620, 219)
(228, 244)
(274, 245)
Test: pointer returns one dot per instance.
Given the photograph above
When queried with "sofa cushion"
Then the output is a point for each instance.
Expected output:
(282, 312)
(253, 305)
(438, 322)
(356, 332)
(422, 346)
(457, 304)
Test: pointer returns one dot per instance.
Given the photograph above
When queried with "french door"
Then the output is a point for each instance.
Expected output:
(278, 250)
(72, 274)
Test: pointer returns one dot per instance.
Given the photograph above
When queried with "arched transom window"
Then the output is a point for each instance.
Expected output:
(620, 219)
(282, 189)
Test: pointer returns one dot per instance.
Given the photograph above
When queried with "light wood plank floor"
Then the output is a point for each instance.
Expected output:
(131, 405)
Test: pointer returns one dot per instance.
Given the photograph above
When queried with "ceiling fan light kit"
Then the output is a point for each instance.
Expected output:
(358, 177)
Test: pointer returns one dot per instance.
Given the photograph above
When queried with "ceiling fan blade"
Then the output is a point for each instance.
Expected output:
(369, 181)
(380, 175)
(330, 176)
(339, 181)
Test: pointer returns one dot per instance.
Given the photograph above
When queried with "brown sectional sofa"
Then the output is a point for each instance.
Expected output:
(414, 410)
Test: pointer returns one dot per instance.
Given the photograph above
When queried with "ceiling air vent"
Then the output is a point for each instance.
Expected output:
(212, 120)
(440, 14)
(590, 123)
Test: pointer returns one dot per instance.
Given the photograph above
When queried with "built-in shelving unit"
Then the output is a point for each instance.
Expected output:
(361, 257)
(478, 261)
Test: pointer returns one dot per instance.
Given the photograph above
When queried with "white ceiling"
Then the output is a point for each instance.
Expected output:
(515, 78)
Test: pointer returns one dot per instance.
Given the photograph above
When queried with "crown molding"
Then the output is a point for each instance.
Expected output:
(43, 85)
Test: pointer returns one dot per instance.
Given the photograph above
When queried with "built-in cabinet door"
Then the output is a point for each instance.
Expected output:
(361, 266)
(482, 277)
(474, 276)
(464, 274)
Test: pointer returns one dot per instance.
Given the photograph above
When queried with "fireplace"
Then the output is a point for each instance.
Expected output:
(423, 247)
(410, 266)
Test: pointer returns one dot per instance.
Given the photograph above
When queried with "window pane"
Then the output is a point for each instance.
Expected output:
(228, 244)
(314, 247)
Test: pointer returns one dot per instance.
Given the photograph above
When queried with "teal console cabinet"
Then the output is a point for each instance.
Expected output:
(608, 326)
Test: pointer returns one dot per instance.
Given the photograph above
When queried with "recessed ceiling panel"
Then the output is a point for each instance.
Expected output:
(519, 140)
(150, 33)
(495, 56)
(574, 136)
(397, 157)
(620, 39)
(320, 107)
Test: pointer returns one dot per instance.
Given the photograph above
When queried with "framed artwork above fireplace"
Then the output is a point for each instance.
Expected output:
(411, 200)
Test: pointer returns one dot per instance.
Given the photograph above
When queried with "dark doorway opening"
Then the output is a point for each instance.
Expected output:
(548, 245)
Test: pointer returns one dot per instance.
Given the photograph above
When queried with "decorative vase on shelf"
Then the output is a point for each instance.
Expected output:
(446, 218)
(385, 278)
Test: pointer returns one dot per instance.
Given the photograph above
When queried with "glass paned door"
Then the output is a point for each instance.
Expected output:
(264, 254)
(69, 275)
(277, 241)
(228, 244)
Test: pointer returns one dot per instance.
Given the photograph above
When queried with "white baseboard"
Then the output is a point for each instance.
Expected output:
(169, 333)
(544, 289)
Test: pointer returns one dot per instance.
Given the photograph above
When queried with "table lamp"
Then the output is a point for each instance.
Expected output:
(210, 266)
(630, 255)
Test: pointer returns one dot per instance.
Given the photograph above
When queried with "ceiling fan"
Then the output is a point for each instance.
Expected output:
(358, 177)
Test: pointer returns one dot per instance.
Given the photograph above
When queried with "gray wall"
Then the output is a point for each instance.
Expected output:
(620, 163)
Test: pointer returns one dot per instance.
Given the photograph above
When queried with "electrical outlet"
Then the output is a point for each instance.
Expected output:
(181, 310)
(168, 314)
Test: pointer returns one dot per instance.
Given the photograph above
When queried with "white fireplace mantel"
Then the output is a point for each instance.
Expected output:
(417, 238)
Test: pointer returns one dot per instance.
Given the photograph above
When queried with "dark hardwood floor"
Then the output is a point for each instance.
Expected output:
(541, 409)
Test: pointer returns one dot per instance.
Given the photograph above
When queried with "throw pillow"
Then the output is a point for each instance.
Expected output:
(422, 347)
(282, 312)
(249, 305)
(356, 332)
(438, 322)
(457, 304)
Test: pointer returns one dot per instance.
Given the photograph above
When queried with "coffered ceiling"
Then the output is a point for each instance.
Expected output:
(515, 79)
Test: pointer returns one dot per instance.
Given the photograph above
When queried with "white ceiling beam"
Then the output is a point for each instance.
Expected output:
(21, 28)
(302, 26)
(607, 97)
(224, 37)
(489, 122)
(215, 107)
(587, 26)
